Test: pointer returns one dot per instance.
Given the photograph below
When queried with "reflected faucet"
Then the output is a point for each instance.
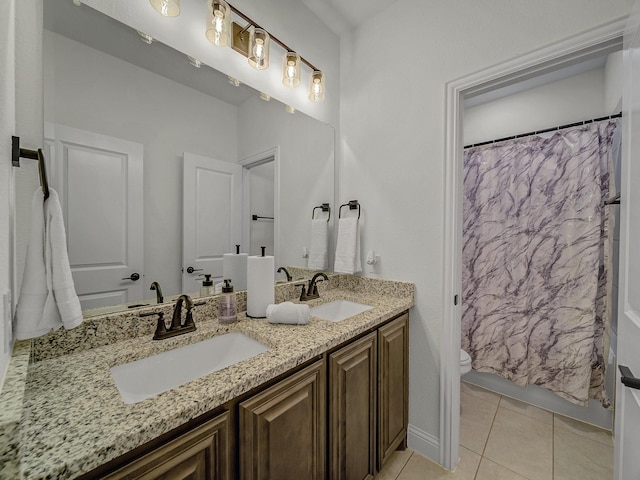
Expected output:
(286, 272)
(311, 291)
(156, 286)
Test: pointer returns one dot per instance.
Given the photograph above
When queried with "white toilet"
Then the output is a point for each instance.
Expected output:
(465, 362)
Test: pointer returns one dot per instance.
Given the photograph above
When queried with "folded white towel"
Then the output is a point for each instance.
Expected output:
(48, 297)
(348, 246)
(288, 312)
(318, 248)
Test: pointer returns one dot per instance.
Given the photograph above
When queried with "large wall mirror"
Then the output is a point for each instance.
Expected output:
(161, 165)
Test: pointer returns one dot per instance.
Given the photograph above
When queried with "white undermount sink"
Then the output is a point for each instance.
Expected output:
(338, 310)
(150, 376)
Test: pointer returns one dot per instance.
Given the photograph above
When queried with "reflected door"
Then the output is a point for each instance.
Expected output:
(99, 182)
(212, 206)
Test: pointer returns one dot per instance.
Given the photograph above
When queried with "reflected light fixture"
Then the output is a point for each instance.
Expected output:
(168, 8)
(316, 86)
(291, 69)
(259, 49)
(265, 97)
(145, 37)
(218, 22)
(289, 109)
(194, 61)
(233, 81)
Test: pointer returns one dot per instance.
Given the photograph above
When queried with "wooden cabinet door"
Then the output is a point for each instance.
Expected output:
(393, 385)
(352, 410)
(283, 429)
(200, 454)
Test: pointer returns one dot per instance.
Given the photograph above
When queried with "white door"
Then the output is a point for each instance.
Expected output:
(627, 425)
(212, 207)
(99, 181)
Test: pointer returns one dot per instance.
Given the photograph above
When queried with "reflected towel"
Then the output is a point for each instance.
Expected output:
(48, 297)
(288, 312)
(348, 246)
(318, 249)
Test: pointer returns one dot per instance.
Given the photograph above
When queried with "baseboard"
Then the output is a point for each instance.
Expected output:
(424, 443)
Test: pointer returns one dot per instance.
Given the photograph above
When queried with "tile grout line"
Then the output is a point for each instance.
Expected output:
(403, 466)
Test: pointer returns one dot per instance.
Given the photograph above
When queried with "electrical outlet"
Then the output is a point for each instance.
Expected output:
(6, 308)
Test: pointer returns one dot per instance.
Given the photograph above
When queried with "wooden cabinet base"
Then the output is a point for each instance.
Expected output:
(393, 385)
(282, 429)
(200, 454)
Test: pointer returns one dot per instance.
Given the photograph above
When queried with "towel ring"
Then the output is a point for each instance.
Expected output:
(325, 208)
(353, 204)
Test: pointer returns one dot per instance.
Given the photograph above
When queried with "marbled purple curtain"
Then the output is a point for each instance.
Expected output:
(536, 257)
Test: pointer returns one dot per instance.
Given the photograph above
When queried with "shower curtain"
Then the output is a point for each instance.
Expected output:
(536, 255)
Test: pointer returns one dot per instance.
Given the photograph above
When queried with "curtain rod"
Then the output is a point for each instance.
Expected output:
(536, 132)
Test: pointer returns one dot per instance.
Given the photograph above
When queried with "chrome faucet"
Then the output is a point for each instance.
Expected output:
(311, 291)
(286, 272)
(176, 327)
(156, 286)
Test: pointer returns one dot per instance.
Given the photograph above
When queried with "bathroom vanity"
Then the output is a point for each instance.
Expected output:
(327, 400)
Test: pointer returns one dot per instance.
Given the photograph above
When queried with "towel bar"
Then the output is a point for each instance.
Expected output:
(325, 208)
(353, 204)
(17, 153)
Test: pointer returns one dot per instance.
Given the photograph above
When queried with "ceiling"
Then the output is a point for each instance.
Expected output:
(342, 16)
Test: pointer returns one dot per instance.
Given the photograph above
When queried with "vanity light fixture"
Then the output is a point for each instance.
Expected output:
(265, 97)
(316, 86)
(289, 109)
(77, 3)
(168, 8)
(291, 69)
(145, 37)
(253, 42)
(233, 81)
(259, 42)
(218, 22)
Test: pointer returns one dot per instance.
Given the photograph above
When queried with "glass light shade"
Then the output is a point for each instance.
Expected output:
(316, 86)
(168, 8)
(259, 49)
(218, 22)
(289, 109)
(291, 69)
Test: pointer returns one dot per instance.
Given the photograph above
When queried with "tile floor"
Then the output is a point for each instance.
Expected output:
(504, 439)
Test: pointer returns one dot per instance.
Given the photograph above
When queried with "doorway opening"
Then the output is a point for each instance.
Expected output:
(570, 52)
(260, 202)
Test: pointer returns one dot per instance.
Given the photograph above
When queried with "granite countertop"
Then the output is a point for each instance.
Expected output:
(62, 415)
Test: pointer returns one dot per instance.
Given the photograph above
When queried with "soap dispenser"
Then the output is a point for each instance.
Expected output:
(227, 303)
(207, 287)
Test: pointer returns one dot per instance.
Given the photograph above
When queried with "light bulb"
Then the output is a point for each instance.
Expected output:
(316, 87)
(259, 49)
(291, 69)
(168, 8)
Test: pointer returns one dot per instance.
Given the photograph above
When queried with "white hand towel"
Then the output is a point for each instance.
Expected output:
(318, 248)
(348, 246)
(288, 312)
(48, 297)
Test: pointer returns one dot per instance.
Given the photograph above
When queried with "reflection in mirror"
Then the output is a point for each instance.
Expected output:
(160, 165)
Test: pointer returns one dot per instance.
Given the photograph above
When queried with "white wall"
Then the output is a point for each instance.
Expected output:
(93, 91)
(392, 120)
(573, 99)
(306, 168)
(21, 115)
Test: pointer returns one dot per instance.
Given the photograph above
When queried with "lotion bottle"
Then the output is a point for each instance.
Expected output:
(227, 304)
